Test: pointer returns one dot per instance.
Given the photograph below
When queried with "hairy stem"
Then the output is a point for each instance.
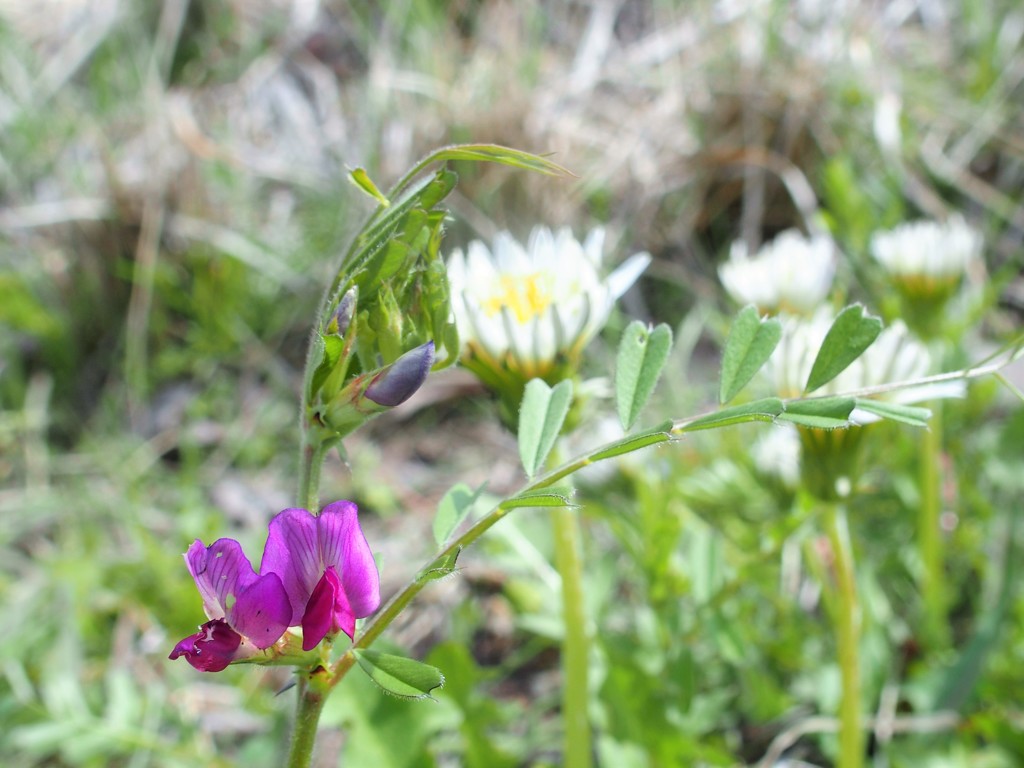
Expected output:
(311, 460)
(847, 620)
(307, 717)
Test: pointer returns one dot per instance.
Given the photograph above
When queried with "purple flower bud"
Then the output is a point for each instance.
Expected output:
(396, 383)
(346, 311)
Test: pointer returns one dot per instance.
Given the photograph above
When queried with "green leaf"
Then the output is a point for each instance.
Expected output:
(330, 347)
(630, 443)
(450, 338)
(490, 153)
(759, 410)
(437, 190)
(398, 675)
(905, 414)
(751, 342)
(441, 567)
(392, 257)
(385, 221)
(361, 179)
(494, 153)
(437, 302)
(852, 332)
(453, 509)
(548, 497)
(541, 416)
(823, 413)
(642, 356)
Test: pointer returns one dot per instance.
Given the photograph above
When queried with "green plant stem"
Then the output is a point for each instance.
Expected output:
(443, 562)
(929, 534)
(307, 717)
(847, 619)
(575, 640)
(311, 460)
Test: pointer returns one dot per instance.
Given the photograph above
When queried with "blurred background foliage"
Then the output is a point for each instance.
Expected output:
(173, 196)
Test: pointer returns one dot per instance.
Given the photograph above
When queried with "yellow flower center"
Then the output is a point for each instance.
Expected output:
(526, 296)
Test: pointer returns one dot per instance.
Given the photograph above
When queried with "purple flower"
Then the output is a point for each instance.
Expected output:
(245, 609)
(326, 567)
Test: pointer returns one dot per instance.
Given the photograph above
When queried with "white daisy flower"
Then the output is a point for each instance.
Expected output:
(531, 311)
(928, 252)
(792, 273)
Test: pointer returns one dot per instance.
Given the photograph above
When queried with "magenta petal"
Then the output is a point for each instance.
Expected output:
(344, 546)
(211, 649)
(220, 570)
(262, 611)
(327, 611)
(293, 553)
(316, 622)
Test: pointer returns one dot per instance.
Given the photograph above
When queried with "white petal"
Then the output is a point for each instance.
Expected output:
(930, 248)
(542, 249)
(480, 268)
(545, 334)
(509, 256)
(622, 279)
(518, 338)
(489, 331)
(594, 246)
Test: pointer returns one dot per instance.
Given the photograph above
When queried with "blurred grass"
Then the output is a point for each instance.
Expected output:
(172, 197)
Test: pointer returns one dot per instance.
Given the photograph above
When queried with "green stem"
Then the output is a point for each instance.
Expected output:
(314, 687)
(575, 642)
(847, 620)
(929, 533)
(311, 460)
(444, 561)
(440, 565)
(307, 717)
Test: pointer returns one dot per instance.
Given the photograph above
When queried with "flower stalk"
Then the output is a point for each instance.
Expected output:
(575, 640)
(933, 588)
(576, 636)
(846, 619)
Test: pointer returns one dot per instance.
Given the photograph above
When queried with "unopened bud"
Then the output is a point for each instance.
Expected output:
(346, 310)
(397, 383)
